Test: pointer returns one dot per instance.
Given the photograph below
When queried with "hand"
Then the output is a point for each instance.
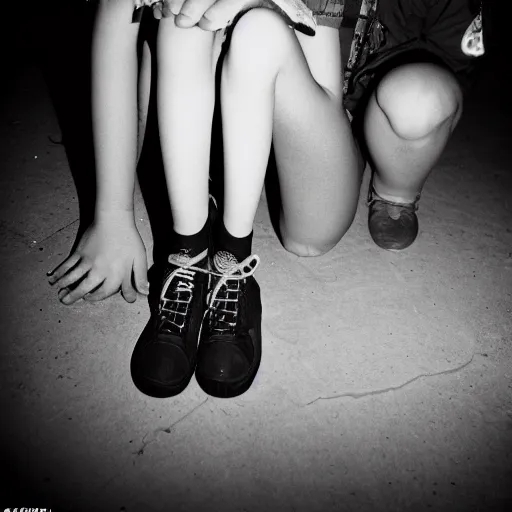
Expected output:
(210, 15)
(214, 15)
(109, 253)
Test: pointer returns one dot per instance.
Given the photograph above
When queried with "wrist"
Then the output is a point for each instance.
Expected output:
(114, 214)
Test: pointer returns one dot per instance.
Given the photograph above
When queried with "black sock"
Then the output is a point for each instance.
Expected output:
(191, 244)
(240, 248)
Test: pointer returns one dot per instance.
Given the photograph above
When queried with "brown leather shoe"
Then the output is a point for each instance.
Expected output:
(393, 226)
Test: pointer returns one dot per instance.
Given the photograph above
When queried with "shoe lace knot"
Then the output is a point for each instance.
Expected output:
(223, 300)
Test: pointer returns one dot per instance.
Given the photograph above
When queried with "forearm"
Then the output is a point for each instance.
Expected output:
(114, 105)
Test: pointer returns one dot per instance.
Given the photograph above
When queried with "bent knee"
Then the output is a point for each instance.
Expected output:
(418, 98)
(305, 250)
(259, 32)
(308, 250)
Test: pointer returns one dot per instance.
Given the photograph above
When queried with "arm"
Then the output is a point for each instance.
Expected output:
(114, 105)
(110, 254)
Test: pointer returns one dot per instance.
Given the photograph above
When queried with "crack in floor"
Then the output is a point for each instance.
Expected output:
(356, 395)
(56, 232)
(167, 430)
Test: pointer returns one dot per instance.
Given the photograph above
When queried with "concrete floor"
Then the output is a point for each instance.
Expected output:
(386, 379)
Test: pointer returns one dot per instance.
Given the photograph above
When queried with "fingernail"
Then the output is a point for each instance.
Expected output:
(62, 294)
(50, 272)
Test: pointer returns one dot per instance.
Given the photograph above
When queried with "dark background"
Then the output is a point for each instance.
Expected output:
(57, 35)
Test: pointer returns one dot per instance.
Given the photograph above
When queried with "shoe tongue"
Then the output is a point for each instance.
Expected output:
(224, 262)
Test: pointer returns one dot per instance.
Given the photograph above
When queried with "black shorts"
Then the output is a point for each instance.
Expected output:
(405, 31)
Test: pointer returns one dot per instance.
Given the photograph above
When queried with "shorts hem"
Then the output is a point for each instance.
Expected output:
(323, 20)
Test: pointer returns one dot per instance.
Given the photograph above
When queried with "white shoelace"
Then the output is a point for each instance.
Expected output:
(230, 270)
(174, 310)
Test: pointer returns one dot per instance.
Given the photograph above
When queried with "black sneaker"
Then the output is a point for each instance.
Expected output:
(164, 358)
(229, 352)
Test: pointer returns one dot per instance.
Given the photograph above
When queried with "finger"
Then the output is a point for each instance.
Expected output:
(173, 7)
(127, 290)
(88, 284)
(103, 291)
(192, 11)
(73, 275)
(63, 292)
(157, 11)
(140, 276)
(55, 274)
(222, 13)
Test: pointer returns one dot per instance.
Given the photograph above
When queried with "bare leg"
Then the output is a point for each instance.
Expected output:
(407, 125)
(277, 84)
(186, 96)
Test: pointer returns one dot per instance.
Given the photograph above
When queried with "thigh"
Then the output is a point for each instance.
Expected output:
(322, 54)
(317, 159)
